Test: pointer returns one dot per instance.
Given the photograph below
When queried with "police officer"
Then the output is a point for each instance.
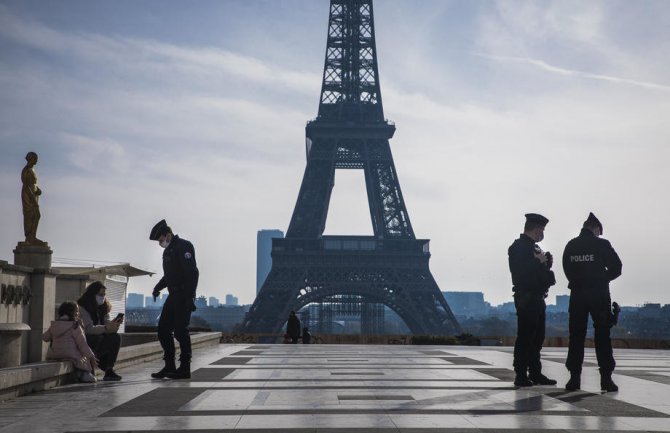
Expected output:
(180, 276)
(531, 276)
(590, 263)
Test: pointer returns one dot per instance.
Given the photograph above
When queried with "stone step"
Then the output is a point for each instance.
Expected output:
(38, 376)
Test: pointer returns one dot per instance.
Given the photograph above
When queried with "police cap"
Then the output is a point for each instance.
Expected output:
(592, 220)
(159, 230)
(536, 218)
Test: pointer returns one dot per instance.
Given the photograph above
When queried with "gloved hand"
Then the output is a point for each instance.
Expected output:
(191, 305)
(550, 259)
(156, 293)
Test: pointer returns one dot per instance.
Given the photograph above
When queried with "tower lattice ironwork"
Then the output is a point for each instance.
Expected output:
(350, 132)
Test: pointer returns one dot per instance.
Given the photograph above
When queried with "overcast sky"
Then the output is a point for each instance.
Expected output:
(195, 112)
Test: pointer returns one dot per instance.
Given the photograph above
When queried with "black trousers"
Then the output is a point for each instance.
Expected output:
(106, 348)
(174, 320)
(598, 304)
(530, 313)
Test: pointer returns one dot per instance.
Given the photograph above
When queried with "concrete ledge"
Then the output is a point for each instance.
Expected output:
(28, 378)
(139, 353)
(38, 376)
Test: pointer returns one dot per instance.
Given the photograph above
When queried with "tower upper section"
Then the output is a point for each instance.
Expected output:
(350, 87)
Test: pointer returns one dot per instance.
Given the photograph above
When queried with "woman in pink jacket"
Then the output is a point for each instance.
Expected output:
(69, 342)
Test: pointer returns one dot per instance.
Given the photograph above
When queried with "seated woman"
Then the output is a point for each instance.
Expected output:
(68, 342)
(101, 332)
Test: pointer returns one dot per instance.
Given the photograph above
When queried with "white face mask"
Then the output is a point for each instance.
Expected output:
(164, 244)
(100, 299)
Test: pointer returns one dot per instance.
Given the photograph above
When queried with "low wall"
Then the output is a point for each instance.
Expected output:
(39, 376)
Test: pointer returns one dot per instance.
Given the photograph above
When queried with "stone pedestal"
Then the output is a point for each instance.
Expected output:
(10, 341)
(34, 256)
(43, 301)
(42, 312)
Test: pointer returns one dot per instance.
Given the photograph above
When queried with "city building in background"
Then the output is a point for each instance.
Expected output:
(263, 255)
(201, 302)
(214, 302)
(135, 300)
(467, 304)
(231, 300)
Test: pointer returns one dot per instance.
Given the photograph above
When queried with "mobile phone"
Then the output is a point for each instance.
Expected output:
(118, 317)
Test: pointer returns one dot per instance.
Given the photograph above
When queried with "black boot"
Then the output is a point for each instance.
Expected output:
(183, 372)
(540, 379)
(522, 379)
(575, 382)
(606, 383)
(165, 371)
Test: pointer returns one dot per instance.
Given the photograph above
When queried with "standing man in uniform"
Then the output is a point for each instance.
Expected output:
(590, 263)
(293, 327)
(180, 276)
(531, 276)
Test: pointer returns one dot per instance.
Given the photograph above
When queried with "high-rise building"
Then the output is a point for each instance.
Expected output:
(201, 302)
(468, 304)
(149, 302)
(214, 302)
(135, 300)
(263, 255)
(231, 300)
(562, 302)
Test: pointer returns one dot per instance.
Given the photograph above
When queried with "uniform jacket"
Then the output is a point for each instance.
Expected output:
(90, 327)
(180, 273)
(528, 273)
(69, 342)
(590, 262)
(293, 326)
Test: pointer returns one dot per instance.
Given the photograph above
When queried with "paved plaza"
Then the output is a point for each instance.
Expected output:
(357, 388)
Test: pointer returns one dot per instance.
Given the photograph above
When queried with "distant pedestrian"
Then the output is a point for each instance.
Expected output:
(590, 263)
(531, 276)
(293, 327)
(68, 341)
(101, 332)
(180, 276)
(306, 336)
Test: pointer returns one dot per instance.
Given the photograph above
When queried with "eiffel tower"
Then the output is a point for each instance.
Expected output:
(350, 132)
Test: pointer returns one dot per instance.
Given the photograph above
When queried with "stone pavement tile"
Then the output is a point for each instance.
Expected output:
(274, 422)
(293, 389)
(407, 421)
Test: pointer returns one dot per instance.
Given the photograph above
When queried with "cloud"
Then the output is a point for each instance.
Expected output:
(569, 72)
(91, 154)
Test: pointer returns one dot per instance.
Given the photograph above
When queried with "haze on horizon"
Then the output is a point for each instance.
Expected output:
(195, 112)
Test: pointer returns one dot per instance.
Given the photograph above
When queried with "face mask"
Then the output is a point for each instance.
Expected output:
(165, 243)
(100, 300)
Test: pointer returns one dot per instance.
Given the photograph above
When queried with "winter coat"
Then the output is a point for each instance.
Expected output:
(69, 342)
(90, 327)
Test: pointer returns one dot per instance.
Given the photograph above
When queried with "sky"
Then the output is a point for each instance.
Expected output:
(195, 112)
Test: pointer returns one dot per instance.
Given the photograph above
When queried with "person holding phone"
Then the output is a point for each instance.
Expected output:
(101, 332)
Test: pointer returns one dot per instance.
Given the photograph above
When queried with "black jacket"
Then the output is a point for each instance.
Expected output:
(528, 273)
(180, 273)
(590, 262)
(293, 326)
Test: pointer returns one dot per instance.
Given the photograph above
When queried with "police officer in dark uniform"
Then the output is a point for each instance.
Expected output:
(180, 276)
(531, 276)
(590, 263)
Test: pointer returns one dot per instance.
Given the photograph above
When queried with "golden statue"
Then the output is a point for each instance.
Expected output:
(29, 197)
